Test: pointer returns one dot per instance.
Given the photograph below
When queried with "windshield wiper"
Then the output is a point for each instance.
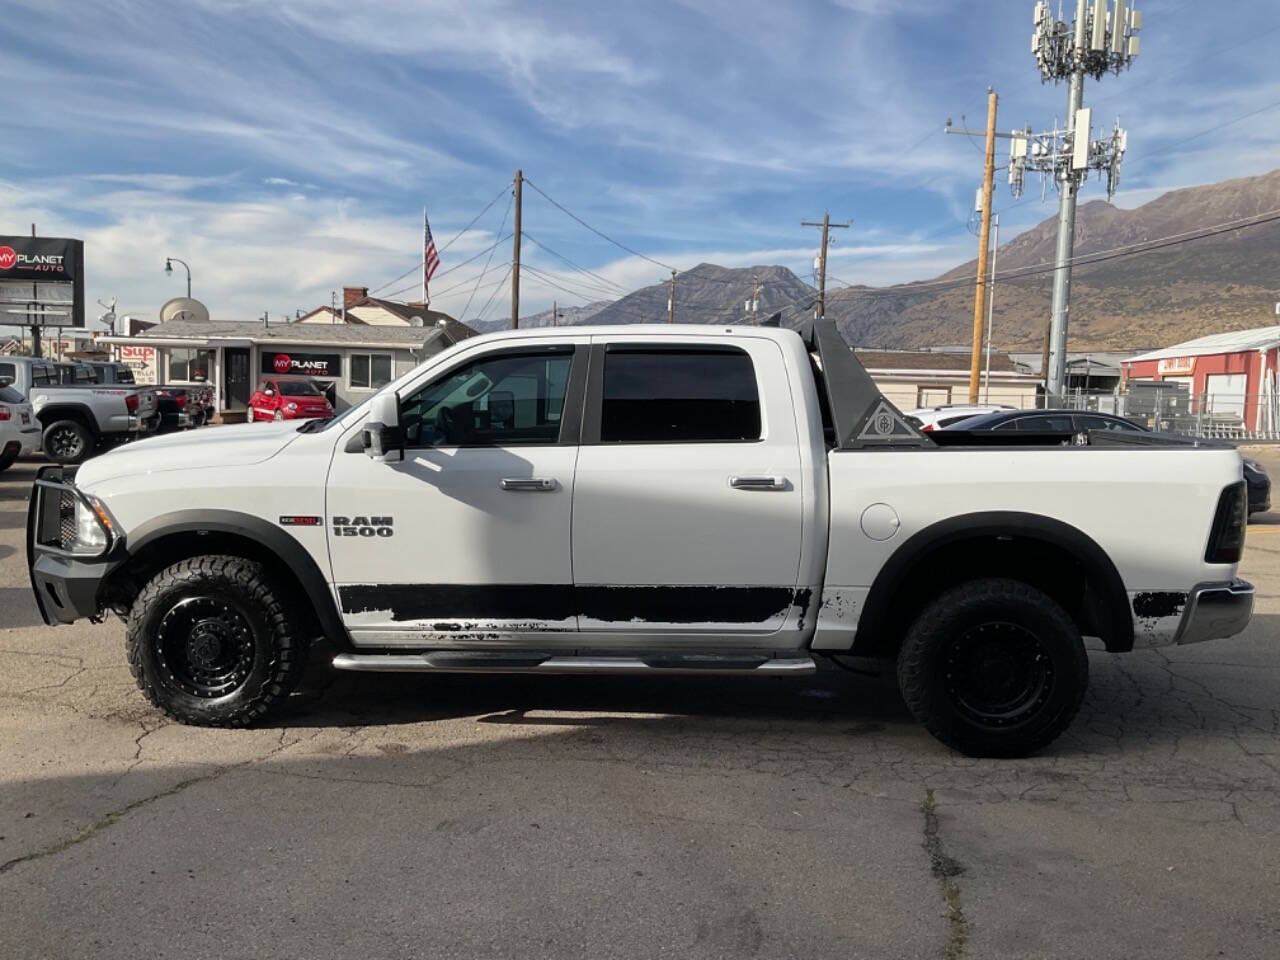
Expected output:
(315, 423)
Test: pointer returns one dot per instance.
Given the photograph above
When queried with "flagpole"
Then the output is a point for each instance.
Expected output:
(424, 256)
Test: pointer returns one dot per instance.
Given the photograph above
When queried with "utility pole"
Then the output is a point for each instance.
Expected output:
(826, 226)
(515, 257)
(991, 303)
(1097, 42)
(753, 305)
(671, 300)
(984, 237)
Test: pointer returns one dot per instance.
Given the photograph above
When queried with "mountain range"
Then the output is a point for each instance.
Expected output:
(1188, 288)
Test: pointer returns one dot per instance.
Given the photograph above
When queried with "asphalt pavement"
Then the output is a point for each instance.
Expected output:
(394, 816)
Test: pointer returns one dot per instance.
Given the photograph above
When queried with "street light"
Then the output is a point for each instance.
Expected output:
(168, 268)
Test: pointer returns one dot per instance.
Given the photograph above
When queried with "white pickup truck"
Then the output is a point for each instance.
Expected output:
(643, 500)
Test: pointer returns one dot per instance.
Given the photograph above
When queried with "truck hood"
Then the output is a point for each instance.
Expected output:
(233, 446)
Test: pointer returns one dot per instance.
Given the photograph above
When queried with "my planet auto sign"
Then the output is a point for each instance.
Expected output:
(290, 363)
(40, 258)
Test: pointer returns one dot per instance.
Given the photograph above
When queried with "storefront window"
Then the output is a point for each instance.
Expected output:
(370, 371)
(190, 366)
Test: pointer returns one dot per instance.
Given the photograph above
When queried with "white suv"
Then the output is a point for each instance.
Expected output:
(19, 431)
(929, 419)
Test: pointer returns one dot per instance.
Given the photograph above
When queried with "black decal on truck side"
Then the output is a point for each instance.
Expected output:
(559, 602)
(1159, 604)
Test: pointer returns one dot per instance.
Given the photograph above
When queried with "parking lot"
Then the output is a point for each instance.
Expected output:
(392, 816)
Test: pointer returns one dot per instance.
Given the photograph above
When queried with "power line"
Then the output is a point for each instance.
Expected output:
(561, 256)
(598, 233)
(498, 286)
(1101, 256)
(417, 265)
(456, 266)
(502, 226)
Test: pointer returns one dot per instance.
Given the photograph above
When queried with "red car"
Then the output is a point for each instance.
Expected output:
(288, 398)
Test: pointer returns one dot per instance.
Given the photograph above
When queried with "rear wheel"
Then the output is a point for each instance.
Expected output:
(212, 641)
(67, 441)
(994, 668)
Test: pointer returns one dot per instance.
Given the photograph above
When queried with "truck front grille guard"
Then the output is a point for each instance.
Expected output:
(52, 518)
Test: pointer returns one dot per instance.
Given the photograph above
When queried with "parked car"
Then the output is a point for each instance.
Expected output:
(76, 419)
(650, 500)
(1079, 421)
(19, 432)
(948, 414)
(23, 373)
(288, 398)
(1048, 421)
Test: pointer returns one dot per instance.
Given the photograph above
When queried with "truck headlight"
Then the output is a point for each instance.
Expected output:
(93, 527)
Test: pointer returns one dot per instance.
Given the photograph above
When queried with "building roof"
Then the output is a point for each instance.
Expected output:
(928, 360)
(1234, 341)
(337, 334)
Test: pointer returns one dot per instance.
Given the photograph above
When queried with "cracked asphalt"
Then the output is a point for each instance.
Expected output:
(398, 816)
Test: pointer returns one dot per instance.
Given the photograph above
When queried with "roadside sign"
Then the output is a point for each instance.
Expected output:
(142, 361)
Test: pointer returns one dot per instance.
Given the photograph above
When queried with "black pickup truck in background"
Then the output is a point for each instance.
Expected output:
(181, 406)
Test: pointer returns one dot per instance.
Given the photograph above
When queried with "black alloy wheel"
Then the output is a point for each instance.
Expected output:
(998, 674)
(205, 646)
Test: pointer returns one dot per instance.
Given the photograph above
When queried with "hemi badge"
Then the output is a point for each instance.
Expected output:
(301, 522)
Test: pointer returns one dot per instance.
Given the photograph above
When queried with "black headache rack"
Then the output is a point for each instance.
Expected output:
(855, 414)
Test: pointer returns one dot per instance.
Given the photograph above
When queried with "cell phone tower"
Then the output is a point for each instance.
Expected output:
(1103, 38)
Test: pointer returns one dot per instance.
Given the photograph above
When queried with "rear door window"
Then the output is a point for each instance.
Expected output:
(1052, 423)
(1106, 423)
(677, 396)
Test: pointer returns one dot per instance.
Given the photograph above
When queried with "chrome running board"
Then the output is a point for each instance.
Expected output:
(484, 662)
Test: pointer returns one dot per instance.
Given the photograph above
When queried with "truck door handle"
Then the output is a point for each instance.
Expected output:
(758, 483)
(533, 485)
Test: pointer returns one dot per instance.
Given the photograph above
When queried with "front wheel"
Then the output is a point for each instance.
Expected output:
(67, 441)
(212, 641)
(994, 668)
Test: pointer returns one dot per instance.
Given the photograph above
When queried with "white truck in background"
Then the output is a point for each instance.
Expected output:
(643, 500)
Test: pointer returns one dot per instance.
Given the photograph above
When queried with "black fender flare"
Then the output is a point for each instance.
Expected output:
(1098, 566)
(290, 552)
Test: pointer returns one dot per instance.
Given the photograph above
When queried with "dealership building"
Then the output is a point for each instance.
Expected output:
(347, 360)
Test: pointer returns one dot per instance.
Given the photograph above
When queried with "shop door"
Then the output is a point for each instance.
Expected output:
(235, 378)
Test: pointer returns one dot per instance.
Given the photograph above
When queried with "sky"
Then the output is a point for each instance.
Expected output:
(285, 149)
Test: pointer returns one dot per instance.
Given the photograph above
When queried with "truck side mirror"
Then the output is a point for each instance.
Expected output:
(381, 435)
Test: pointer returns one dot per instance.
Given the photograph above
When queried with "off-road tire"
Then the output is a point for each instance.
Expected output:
(1004, 615)
(279, 648)
(53, 447)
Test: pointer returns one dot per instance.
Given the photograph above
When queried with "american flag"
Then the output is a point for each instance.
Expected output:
(430, 259)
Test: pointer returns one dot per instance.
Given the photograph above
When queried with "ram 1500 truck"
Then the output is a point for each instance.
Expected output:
(78, 418)
(642, 500)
